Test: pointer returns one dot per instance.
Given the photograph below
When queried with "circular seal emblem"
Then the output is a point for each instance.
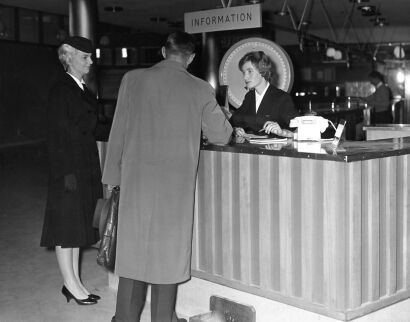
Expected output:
(230, 75)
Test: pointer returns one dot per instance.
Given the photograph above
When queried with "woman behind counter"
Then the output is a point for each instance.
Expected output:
(75, 175)
(265, 107)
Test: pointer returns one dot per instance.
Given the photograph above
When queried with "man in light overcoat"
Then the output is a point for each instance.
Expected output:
(152, 154)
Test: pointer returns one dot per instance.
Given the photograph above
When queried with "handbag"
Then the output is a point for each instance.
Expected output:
(100, 215)
(107, 249)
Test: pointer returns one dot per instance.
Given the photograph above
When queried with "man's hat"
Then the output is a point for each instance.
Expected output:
(80, 43)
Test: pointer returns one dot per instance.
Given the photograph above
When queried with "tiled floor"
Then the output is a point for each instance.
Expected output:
(30, 283)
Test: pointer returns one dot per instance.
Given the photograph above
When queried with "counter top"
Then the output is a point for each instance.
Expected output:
(347, 151)
(388, 127)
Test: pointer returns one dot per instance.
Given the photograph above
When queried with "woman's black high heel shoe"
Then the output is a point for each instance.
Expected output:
(94, 297)
(69, 296)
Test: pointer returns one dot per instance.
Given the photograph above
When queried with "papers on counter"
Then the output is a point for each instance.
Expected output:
(254, 136)
(267, 140)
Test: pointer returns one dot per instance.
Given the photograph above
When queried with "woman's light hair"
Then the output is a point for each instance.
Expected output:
(65, 53)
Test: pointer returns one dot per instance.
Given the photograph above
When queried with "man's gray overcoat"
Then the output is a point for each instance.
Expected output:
(152, 154)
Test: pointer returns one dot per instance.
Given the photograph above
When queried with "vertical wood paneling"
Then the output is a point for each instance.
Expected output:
(403, 223)
(275, 224)
(334, 232)
(370, 230)
(207, 207)
(318, 233)
(405, 211)
(308, 191)
(245, 217)
(285, 224)
(266, 178)
(254, 221)
(328, 233)
(217, 215)
(296, 228)
(354, 230)
(388, 226)
(236, 220)
(227, 215)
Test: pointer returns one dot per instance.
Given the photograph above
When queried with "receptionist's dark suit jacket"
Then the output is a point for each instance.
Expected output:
(276, 106)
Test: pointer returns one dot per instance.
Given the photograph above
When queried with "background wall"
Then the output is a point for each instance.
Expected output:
(26, 74)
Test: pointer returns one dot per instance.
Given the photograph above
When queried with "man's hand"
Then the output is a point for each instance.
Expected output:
(238, 131)
(110, 187)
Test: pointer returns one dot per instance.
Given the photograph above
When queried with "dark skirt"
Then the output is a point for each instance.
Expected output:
(69, 215)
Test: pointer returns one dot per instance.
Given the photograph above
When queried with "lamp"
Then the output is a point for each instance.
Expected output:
(398, 52)
(330, 52)
(400, 76)
(337, 55)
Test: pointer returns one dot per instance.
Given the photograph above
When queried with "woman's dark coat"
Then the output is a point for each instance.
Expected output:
(72, 149)
(276, 105)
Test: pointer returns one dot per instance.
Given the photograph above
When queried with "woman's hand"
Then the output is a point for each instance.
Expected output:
(286, 134)
(271, 127)
(238, 131)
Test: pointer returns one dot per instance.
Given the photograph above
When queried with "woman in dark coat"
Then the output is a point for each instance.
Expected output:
(75, 174)
(265, 107)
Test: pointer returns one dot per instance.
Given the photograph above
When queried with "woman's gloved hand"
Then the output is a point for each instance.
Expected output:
(70, 182)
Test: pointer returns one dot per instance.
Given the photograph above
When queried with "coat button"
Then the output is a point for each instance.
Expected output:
(84, 132)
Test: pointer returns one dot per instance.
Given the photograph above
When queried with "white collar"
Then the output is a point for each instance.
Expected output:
(259, 97)
(79, 82)
(263, 93)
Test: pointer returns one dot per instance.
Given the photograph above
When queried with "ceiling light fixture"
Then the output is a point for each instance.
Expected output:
(306, 23)
(254, 1)
(378, 19)
(284, 11)
(367, 10)
(381, 23)
(358, 1)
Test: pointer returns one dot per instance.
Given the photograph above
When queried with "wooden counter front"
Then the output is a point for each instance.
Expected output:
(322, 234)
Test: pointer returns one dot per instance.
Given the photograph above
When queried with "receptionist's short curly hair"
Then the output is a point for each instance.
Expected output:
(261, 61)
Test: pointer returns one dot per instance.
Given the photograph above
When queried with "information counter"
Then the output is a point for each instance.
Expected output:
(384, 131)
(326, 230)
